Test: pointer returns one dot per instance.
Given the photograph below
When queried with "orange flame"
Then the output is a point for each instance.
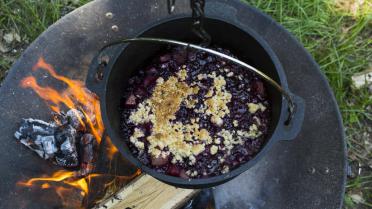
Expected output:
(75, 96)
(111, 149)
(68, 178)
(59, 176)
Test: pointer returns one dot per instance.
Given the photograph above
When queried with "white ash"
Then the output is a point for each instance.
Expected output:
(76, 118)
(49, 141)
(38, 135)
(362, 79)
(58, 141)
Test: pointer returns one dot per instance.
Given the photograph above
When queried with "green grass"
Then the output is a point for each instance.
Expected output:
(29, 18)
(342, 45)
(339, 40)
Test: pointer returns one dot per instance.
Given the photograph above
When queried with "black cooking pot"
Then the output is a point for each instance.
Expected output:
(111, 69)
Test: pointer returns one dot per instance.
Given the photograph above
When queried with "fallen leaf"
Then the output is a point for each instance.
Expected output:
(357, 198)
(8, 37)
(12, 36)
(3, 48)
(354, 8)
(362, 78)
(17, 37)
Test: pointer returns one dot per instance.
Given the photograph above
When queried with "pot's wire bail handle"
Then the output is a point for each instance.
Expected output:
(197, 7)
(287, 96)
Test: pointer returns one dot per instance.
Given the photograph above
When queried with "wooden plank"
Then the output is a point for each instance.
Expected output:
(146, 192)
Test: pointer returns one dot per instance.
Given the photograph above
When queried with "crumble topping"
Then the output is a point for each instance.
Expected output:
(235, 123)
(192, 173)
(182, 140)
(217, 104)
(253, 108)
(182, 74)
(252, 133)
(202, 76)
(134, 139)
(214, 149)
(195, 119)
(225, 169)
(230, 74)
(142, 115)
(187, 140)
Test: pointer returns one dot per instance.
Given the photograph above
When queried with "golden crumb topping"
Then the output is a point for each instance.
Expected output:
(182, 74)
(253, 108)
(217, 104)
(235, 123)
(134, 139)
(187, 140)
(214, 149)
(182, 140)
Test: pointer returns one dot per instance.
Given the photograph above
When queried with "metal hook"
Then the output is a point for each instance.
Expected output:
(171, 6)
(197, 7)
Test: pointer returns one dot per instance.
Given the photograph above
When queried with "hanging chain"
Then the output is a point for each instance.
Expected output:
(197, 7)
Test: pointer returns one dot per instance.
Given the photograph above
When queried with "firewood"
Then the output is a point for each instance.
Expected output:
(146, 192)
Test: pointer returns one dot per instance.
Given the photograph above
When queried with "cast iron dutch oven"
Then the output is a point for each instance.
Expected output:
(108, 79)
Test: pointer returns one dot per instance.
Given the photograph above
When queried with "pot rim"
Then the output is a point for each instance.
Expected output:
(202, 182)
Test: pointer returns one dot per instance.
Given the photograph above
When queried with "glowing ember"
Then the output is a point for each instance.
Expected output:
(45, 186)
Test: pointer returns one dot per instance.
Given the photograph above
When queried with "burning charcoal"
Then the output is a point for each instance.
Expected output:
(57, 140)
(88, 145)
(67, 155)
(38, 136)
(49, 140)
(76, 118)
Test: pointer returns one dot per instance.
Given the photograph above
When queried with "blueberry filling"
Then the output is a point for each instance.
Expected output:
(193, 115)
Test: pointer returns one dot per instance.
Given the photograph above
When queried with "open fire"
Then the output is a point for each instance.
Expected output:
(80, 126)
(76, 96)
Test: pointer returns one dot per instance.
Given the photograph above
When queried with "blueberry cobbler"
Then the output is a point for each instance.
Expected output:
(193, 115)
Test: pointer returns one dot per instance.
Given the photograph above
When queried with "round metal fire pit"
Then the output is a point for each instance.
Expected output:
(308, 172)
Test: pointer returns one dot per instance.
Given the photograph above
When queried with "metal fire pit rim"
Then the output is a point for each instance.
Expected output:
(9, 91)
